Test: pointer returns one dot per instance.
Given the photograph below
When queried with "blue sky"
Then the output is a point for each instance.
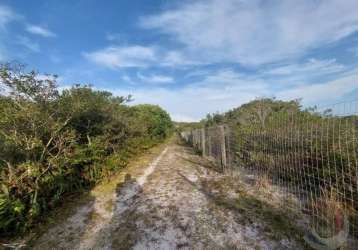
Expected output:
(190, 57)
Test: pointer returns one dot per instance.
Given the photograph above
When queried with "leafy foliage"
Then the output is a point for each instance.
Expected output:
(53, 143)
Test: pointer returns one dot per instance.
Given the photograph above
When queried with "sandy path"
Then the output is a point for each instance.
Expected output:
(176, 202)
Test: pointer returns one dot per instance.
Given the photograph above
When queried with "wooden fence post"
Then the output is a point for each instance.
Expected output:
(203, 149)
(223, 147)
(209, 144)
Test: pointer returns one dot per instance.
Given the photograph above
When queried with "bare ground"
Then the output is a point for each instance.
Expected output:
(178, 201)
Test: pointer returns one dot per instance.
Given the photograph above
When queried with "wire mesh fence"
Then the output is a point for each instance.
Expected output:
(310, 154)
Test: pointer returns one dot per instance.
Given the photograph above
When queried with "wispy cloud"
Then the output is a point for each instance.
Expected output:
(136, 56)
(29, 44)
(218, 91)
(312, 66)
(314, 93)
(177, 59)
(255, 32)
(126, 78)
(155, 79)
(118, 57)
(115, 37)
(225, 89)
(6, 15)
(39, 30)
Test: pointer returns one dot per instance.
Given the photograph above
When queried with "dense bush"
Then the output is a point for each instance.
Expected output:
(53, 143)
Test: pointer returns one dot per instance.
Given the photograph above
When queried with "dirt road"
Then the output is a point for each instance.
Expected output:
(178, 201)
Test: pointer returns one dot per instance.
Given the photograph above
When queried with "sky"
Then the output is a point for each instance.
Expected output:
(190, 57)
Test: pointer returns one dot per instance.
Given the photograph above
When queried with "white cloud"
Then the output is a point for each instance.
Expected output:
(255, 32)
(126, 78)
(115, 37)
(6, 15)
(136, 56)
(226, 89)
(312, 67)
(219, 91)
(176, 58)
(38, 30)
(327, 91)
(118, 57)
(155, 79)
(26, 42)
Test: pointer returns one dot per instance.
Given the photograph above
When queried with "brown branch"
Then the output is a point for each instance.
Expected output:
(51, 139)
(10, 168)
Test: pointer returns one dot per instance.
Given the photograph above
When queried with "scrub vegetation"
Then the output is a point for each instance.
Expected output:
(56, 142)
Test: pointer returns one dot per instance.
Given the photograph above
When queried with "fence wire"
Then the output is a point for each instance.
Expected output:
(311, 154)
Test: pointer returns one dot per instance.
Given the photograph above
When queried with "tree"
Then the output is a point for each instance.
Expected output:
(153, 121)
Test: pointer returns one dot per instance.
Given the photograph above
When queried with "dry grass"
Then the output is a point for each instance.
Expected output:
(263, 183)
(329, 214)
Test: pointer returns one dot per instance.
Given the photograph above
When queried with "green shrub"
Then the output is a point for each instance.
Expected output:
(53, 143)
